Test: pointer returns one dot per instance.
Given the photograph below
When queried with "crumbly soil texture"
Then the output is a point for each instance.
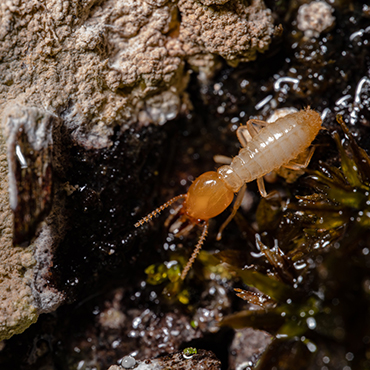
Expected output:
(111, 309)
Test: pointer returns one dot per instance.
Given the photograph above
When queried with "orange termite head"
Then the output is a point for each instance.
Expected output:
(207, 197)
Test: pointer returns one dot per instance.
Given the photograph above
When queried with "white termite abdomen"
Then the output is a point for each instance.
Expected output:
(275, 145)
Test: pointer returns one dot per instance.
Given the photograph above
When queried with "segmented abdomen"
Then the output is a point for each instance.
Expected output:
(274, 146)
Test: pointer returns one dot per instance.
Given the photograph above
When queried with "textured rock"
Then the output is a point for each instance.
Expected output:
(17, 308)
(213, 2)
(91, 66)
(99, 64)
(236, 31)
(24, 271)
(247, 346)
(202, 360)
(29, 144)
(315, 17)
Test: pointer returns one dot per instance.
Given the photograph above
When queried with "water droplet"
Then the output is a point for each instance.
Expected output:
(349, 356)
(136, 322)
(189, 352)
(311, 323)
(81, 365)
(279, 336)
(311, 347)
(280, 83)
(20, 156)
(263, 102)
(325, 359)
(128, 362)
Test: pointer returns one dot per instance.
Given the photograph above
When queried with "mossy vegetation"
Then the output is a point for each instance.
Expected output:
(313, 285)
(309, 282)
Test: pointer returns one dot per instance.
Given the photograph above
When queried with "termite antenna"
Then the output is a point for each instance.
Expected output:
(157, 211)
(196, 251)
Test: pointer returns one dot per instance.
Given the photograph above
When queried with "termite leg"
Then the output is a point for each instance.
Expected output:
(293, 166)
(261, 187)
(186, 230)
(222, 159)
(157, 211)
(243, 135)
(301, 161)
(257, 122)
(196, 251)
(246, 133)
(172, 215)
(237, 203)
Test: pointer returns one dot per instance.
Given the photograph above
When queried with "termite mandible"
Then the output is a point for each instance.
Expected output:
(265, 147)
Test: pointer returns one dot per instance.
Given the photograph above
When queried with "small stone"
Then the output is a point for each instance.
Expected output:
(314, 18)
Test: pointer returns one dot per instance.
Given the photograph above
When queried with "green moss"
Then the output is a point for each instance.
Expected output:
(190, 351)
(168, 275)
(314, 282)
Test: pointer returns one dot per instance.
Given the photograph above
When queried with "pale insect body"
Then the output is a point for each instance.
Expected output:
(266, 147)
(275, 145)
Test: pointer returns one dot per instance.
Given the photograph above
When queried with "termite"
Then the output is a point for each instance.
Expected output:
(265, 147)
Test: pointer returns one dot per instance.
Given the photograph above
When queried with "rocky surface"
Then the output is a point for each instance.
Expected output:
(201, 360)
(236, 31)
(17, 308)
(30, 234)
(99, 64)
(105, 191)
(242, 355)
(90, 67)
(315, 17)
